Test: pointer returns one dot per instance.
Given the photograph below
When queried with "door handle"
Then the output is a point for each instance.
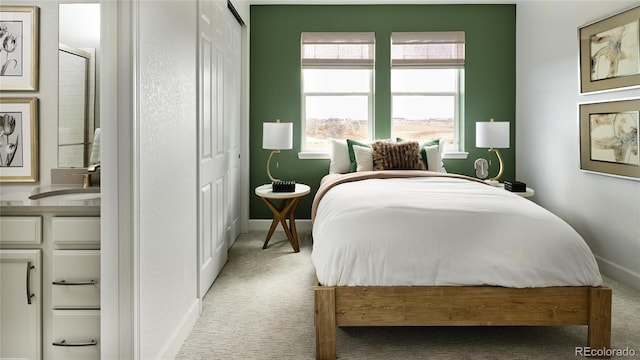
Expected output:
(65, 343)
(29, 294)
(64, 282)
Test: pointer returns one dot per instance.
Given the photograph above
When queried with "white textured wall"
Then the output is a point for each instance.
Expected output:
(603, 209)
(167, 172)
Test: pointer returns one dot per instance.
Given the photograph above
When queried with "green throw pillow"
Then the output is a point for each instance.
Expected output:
(352, 156)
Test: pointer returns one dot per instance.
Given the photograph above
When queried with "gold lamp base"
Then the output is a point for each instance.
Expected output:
(269, 165)
(495, 180)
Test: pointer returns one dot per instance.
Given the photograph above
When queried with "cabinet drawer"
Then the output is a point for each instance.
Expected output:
(75, 334)
(20, 230)
(75, 230)
(75, 276)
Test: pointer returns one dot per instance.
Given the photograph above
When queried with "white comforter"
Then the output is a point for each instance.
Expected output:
(443, 231)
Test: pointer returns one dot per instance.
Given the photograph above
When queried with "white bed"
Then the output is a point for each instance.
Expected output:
(443, 230)
(420, 248)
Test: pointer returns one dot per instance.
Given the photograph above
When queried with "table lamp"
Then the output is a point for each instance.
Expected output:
(493, 135)
(276, 136)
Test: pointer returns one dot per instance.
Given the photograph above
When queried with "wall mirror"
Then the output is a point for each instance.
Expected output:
(78, 97)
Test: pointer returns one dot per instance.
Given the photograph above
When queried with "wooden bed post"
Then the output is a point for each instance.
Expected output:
(599, 333)
(325, 322)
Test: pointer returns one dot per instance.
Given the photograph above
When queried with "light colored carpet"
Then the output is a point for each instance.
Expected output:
(261, 307)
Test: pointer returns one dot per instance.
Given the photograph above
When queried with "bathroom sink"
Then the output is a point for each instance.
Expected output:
(68, 194)
(80, 196)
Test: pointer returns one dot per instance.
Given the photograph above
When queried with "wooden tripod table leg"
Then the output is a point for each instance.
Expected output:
(280, 215)
(292, 225)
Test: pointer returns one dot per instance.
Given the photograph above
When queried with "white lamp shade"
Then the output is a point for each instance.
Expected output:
(277, 136)
(494, 134)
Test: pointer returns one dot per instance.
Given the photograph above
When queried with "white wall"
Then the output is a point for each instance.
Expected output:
(149, 208)
(167, 212)
(603, 209)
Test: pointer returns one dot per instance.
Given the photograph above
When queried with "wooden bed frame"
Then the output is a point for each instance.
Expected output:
(459, 306)
(452, 305)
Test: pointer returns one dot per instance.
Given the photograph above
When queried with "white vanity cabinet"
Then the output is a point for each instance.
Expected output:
(54, 256)
(20, 304)
(75, 288)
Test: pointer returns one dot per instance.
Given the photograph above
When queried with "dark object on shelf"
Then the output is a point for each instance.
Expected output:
(283, 186)
(515, 186)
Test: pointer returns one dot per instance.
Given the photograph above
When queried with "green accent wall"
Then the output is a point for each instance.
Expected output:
(275, 89)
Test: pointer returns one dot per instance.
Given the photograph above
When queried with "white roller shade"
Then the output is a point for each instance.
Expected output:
(428, 49)
(337, 49)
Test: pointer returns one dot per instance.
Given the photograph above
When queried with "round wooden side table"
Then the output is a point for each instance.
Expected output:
(286, 210)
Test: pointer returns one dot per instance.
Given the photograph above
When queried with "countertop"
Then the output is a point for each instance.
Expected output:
(18, 202)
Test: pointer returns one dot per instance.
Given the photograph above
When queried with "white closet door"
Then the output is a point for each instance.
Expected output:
(233, 93)
(219, 136)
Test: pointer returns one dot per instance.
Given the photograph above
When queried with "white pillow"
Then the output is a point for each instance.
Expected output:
(435, 154)
(340, 162)
(364, 158)
(442, 145)
(434, 160)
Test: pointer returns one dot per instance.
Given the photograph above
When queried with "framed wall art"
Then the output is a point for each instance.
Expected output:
(18, 140)
(19, 29)
(609, 137)
(610, 52)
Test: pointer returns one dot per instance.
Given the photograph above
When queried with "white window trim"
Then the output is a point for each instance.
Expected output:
(310, 155)
(400, 37)
(457, 103)
(456, 38)
(336, 38)
(303, 126)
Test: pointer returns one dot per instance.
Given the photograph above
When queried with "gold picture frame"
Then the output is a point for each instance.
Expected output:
(19, 139)
(610, 52)
(19, 44)
(609, 137)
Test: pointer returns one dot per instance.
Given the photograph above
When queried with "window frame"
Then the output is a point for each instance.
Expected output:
(457, 100)
(304, 95)
(452, 152)
(456, 39)
(336, 64)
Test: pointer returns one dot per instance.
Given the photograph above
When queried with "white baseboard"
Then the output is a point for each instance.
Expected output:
(263, 225)
(619, 273)
(175, 341)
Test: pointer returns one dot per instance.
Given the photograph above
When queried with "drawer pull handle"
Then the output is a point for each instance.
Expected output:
(64, 282)
(65, 343)
(29, 294)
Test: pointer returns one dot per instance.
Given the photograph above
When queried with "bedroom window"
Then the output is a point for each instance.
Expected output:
(337, 87)
(427, 73)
